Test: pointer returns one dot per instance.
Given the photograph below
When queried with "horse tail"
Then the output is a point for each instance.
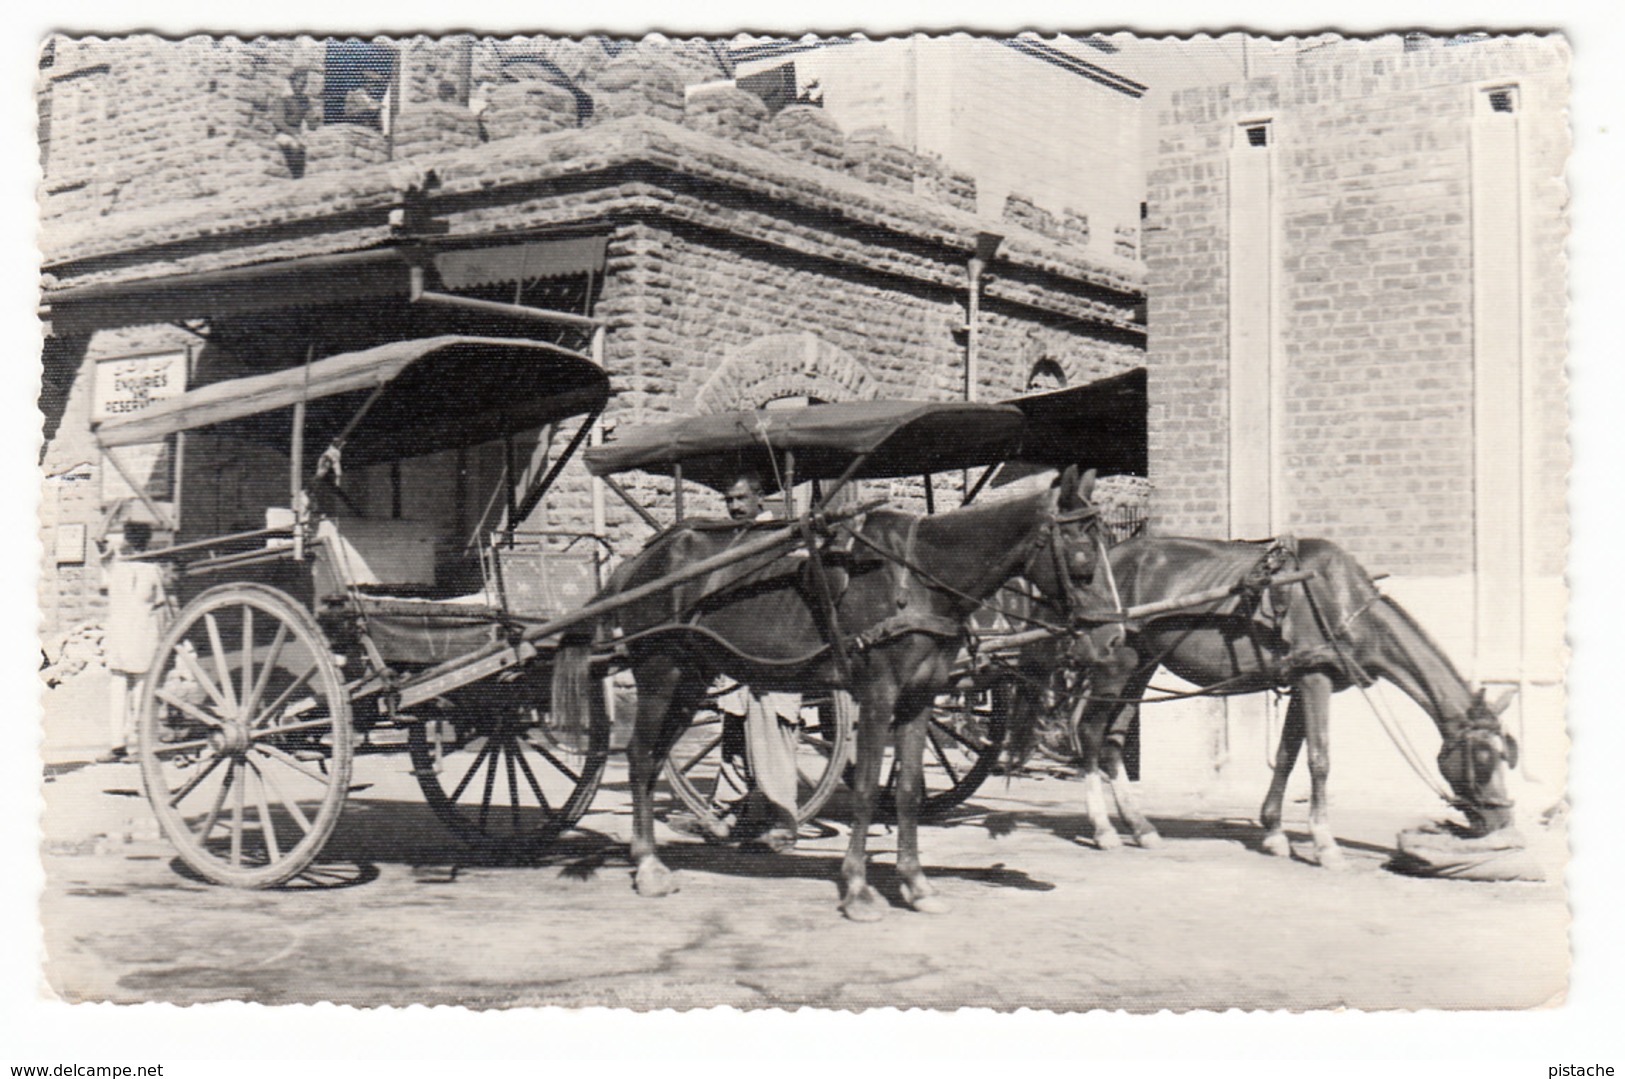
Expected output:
(572, 684)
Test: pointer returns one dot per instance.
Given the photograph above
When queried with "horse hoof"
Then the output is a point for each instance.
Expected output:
(1331, 860)
(1108, 841)
(773, 841)
(864, 905)
(923, 900)
(1276, 843)
(654, 880)
(1150, 840)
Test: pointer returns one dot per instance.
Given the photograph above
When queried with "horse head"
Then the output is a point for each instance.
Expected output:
(1475, 759)
(1070, 542)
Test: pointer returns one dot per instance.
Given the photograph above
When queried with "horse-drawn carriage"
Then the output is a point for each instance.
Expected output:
(348, 625)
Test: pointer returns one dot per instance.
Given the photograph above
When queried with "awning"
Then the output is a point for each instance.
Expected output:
(1101, 425)
(902, 438)
(521, 263)
(439, 393)
(315, 280)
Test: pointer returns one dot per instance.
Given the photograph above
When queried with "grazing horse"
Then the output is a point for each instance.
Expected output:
(1316, 637)
(903, 587)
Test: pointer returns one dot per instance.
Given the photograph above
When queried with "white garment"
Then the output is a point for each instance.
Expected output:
(136, 610)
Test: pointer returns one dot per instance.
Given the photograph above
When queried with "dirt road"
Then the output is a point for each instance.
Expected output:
(1040, 918)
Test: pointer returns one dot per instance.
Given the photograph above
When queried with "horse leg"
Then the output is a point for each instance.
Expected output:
(1128, 800)
(1116, 773)
(1316, 689)
(918, 891)
(1097, 717)
(667, 700)
(1286, 758)
(859, 901)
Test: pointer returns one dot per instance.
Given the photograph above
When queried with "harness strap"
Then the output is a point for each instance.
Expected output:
(815, 569)
(899, 625)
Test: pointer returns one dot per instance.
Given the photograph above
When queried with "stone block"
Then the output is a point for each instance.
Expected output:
(872, 154)
(806, 133)
(728, 112)
(336, 147)
(432, 126)
(639, 83)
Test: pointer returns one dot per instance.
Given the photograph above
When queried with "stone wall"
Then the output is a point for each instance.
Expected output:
(749, 258)
(1375, 299)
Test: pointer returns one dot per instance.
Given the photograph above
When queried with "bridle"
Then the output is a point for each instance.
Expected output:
(1050, 537)
(1477, 730)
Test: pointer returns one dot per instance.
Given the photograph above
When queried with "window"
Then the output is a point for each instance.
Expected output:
(1503, 99)
(359, 84)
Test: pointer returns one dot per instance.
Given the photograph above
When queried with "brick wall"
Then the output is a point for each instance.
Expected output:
(749, 257)
(1375, 297)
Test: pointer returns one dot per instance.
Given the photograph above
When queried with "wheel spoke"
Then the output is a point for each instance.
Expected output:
(179, 795)
(942, 758)
(181, 747)
(221, 667)
(219, 801)
(288, 728)
(701, 755)
(252, 700)
(552, 759)
(237, 817)
(490, 785)
(282, 698)
(248, 656)
(276, 792)
(823, 745)
(530, 777)
(510, 749)
(190, 709)
(267, 828)
(293, 762)
(472, 769)
(974, 747)
(194, 670)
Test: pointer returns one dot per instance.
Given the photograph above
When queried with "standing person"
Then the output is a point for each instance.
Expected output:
(755, 796)
(137, 612)
(295, 115)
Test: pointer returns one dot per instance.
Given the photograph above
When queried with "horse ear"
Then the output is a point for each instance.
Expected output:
(1067, 481)
(1086, 487)
(1501, 703)
(1510, 753)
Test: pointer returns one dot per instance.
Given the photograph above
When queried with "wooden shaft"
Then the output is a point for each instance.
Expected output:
(498, 657)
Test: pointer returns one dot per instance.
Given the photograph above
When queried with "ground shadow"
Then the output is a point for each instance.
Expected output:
(733, 862)
(1075, 828)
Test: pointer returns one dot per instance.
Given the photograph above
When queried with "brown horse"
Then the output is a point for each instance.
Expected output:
(906, 584)
(1316, 637)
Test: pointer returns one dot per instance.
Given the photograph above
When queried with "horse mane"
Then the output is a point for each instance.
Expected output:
(1394, 607)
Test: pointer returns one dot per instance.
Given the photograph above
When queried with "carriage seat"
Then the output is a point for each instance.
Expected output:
(394, 555)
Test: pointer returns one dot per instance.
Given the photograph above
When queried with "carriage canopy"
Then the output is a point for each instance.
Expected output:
(897, 438)
(1100, 425)
(432, 394)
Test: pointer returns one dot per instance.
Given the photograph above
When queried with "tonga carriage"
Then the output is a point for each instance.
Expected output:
(814, 458)
(342, 628)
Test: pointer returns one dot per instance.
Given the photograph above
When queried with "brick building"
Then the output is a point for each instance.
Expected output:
(737, 250)
(1352, 279)
(1357, 307)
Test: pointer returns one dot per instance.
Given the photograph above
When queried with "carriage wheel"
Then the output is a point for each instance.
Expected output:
(509, 780)
(962, 745)
(1054, 737)
(245, 738)
(694, 766)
